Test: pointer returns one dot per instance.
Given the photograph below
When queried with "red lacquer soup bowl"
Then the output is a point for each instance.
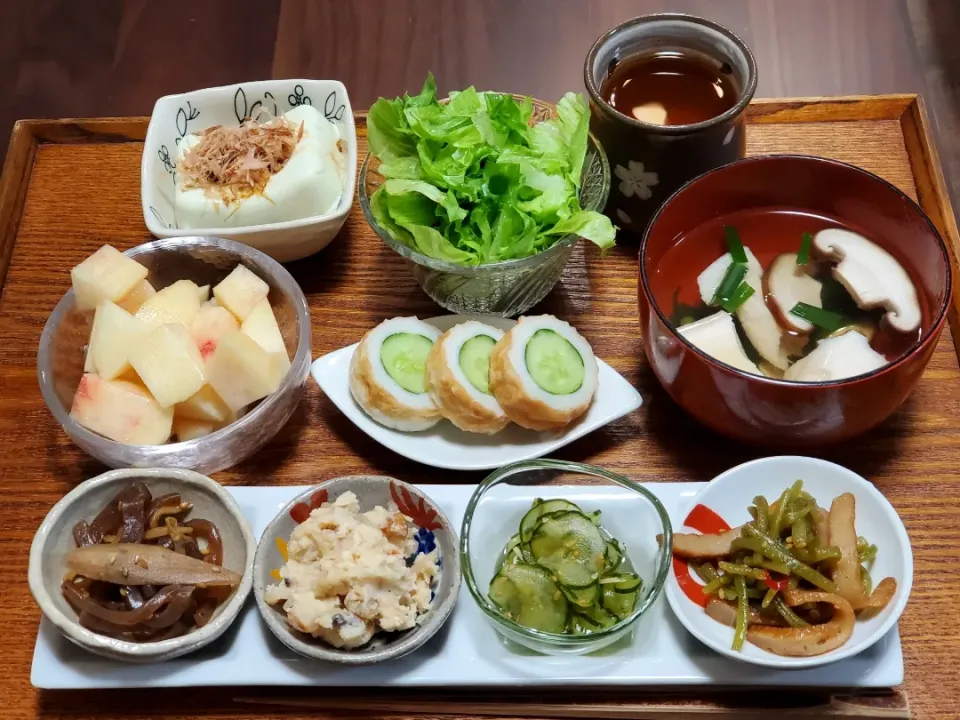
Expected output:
(801, 191)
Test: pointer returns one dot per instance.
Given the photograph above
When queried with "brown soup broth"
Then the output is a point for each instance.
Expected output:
(768, 232)
(691, 87)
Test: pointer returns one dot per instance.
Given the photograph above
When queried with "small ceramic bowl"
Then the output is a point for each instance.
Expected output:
(763, 410)
(730, 494)
(434, 528)
(54, 539)
(206, 261)
(175, 116)
(629, 512)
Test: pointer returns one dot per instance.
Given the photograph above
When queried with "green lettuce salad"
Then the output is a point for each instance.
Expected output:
(470, 182)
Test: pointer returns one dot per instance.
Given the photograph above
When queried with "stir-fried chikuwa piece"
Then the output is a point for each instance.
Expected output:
(141, 572)
(791, 580)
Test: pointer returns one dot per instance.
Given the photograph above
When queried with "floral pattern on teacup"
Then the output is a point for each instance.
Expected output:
(635, 180)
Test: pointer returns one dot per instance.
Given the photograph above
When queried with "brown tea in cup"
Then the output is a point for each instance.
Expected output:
(667, 100)
(670, 87)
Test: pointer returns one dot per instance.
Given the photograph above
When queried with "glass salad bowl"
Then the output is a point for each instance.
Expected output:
(505, 288)
(629, 514)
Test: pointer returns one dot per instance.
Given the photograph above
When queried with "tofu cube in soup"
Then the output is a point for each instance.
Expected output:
(242, 372)
(169, 363)
(177, 303)
(240, 292)
(108, 274)
(121, 410)
(114, 335)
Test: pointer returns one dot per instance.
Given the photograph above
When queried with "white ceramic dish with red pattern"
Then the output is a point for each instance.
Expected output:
(428, 529)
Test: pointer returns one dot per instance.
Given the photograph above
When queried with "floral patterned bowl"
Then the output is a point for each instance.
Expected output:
(505, 288)
(434, 531)
(176, 116)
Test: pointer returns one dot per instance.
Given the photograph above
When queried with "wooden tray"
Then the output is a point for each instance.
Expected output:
(70, 185)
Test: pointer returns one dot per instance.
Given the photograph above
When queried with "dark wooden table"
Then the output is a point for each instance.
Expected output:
(111, 57)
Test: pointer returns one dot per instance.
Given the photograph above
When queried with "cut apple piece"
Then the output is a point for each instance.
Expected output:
(240, 291)
(241, 372)
(189, 429)
(261, 325)
(169, 363)
(177, 303)
(108, 274)
(141, 292)
(121, 411)
(204, 293)
(204, 405)
(211, 323)
(115, 333)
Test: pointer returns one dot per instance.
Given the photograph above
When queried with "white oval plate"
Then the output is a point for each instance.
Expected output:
(730, 494)
(444, 445)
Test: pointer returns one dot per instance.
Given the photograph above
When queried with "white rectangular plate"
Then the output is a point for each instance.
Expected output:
(467, 651)
(445, 446)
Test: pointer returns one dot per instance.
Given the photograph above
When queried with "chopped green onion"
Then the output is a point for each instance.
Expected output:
(734, 245)
(729, 283)
(739, 297)
(806, 241)
(824, 319)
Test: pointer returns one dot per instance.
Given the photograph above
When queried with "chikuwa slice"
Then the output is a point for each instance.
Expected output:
(458, 370)
(543, 373)
(388, 374)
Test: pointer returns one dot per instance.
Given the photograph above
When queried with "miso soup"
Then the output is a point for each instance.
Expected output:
(782, 281)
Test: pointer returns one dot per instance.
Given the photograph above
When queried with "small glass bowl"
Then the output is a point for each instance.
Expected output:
(629, 512)
(505, 288)
(206, 261)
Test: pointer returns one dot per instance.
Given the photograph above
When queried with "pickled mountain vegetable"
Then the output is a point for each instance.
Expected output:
(474, 180)
(793, 579)
(563, 573)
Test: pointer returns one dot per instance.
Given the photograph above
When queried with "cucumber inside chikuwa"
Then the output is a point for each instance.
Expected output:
(475, 361)
(554, 363)
(404, 357)
(563, 573)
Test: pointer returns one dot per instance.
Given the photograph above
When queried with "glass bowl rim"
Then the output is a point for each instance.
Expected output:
(657, 584)
(504, 265)
(207, 443)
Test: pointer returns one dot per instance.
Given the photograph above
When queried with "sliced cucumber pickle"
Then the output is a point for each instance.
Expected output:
(571, 546)
(404, 357)
(535, 514)
(475, 361)
(528, 595)
(554, 363)
(563, 573)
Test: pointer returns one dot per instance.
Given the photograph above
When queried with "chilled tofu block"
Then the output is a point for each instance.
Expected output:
(261, 325)
(189, 429)
(177, 303)
(204, 405)
(211, 322)
(108, 274)
(121, 411)
(168, 362)
(240, 371)
(240, 291)
(141, 292)
(115, 333)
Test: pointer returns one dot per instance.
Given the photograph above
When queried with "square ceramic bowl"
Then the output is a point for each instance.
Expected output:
(176, 116)
(725, 501)
(433, 530)
(54, 539)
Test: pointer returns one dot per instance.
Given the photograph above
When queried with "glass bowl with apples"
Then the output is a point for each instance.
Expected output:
(189, 352)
